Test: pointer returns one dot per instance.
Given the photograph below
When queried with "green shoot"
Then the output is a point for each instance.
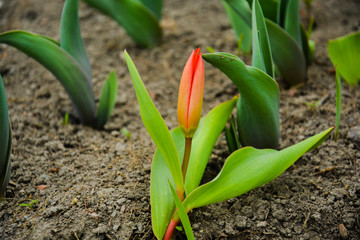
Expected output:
(29, 205)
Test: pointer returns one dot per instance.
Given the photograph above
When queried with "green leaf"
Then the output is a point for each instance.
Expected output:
(249, 168)
(344, 53)
(292, 21)
(287, 55)
(107, 100)
(308, 52)
(156, 126)
(283, 8)
(155, 6)
(270, 9)
(262, 57)
(209, 129)
(204, 141)
(231, 136)
(70, 36)
(5, 141)
(258, 106)
(338, 104)
(64, 67)
(138, 21)
(182, 214)
(240, 27)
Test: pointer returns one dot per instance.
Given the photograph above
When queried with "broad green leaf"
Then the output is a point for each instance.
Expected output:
(107, 100)
(249, 168)
(209, 129)
(270, 9)
(138, 21)
(204, 141)
(292, 21)
(156, 126)
(344, 53)
(240, 27)
(231, 136)
(338, 104)
(60, 63)
(182, 214)
(258, 106)
(287, 55)
(262, 57)
(70, 36)
(155, 6)
(5, 141)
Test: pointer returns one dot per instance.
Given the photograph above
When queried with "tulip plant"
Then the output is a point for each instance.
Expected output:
(5, 142)
(344, 53)
(69, 63)
(258, 107)
(182, 153)
(140, 18)
(288, 39)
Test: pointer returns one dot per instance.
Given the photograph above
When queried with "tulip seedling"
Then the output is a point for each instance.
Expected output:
(288, 40)
(69, 63)
(174, 195)
(140, 18)
(258, 107)
(5, 142)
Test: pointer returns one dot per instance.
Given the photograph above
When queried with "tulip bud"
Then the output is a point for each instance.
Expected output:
(191, 94)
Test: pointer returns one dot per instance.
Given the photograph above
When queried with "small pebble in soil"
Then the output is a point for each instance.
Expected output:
(354, 134)
(343, 232)
(100, 229)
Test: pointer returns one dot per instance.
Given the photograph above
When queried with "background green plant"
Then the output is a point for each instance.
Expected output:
(69, 63)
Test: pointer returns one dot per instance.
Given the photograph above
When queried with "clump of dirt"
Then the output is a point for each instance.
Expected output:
(95, 184)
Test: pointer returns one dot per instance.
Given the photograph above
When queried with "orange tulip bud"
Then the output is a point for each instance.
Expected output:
(191, 94)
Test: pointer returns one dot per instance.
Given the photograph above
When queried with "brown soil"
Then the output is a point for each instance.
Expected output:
(98, 181)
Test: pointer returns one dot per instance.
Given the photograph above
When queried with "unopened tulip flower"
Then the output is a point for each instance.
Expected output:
(191, 94)
(190, 100)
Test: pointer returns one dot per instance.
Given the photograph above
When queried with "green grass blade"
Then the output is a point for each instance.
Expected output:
(344, 53)
(292, 21)
(138, 21)
(156, 126)
(240, 27)
(5, 141)
(209, 129)
(231, 136)
(70, 36)
(64, 67)
(155, 6)
(182, 214)
(204, 141)
(249, 168)
(262, 57)
(338, 105)
(258, 107)
(287, 55)
(107, 100)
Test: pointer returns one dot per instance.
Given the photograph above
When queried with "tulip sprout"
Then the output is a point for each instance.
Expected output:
(5, 142)
(288, 40)
(244, 170)
(69, 63)
(140, 19)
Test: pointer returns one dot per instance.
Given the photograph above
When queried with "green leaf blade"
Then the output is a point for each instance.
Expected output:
(156, 126)
(107, 100)
(258, 106)
(70, 36)
(249, 168)
(64, 67)
(262, 57)
(204, 141)
(5, 141)
(344, 53)
(292, 21)
(155, 6)
(138, 21)
(182, 214)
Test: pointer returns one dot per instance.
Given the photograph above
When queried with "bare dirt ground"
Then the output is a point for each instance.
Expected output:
(98, 181)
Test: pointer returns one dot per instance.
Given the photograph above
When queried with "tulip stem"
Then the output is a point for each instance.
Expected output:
(186, 156)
